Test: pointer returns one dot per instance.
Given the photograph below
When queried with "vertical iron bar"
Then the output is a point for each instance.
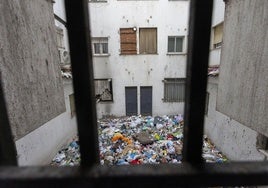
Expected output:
(82, 69)
(196, 80)
(7, 146)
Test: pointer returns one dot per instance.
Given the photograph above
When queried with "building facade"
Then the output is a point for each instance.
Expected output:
(139, 53)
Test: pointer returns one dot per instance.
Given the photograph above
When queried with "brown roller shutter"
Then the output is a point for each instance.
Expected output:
(128, 41)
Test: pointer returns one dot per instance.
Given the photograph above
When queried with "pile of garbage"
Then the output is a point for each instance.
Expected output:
(139, 140)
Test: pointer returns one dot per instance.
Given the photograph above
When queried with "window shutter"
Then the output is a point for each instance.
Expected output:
(128, 41)
(148, 41)
(218, 31)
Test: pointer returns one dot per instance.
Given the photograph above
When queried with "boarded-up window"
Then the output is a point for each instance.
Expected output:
(148, 41)
(128, 41)
(174, 89)
(103, 89)
(72, 105)
(218, 32)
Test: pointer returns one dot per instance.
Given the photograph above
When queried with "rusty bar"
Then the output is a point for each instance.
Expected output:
(82, 69)
(196, 79)
(144, 176)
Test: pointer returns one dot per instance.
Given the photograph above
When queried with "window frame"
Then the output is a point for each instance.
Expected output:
(182, 45)
(98, 98)
(192, 172)
(217, 45)
(100, 41)
(133, 44)
(168, 83)
(156, 41)
(72, 105)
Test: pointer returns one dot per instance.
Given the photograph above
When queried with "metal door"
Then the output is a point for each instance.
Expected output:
(146, 100)
(131, 101)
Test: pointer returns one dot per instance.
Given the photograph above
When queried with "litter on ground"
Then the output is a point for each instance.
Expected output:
(136, 140)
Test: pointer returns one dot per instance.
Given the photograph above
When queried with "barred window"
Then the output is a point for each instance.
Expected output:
(174, 89)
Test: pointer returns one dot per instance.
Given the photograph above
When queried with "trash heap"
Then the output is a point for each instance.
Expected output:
(139, 140)
(68, 156)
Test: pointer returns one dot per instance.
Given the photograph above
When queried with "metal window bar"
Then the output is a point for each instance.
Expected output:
(193, 172)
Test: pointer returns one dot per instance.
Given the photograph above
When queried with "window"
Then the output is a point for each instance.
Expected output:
(174, 89)
(103, 90)
(148, 41)
(218, 32)
(60, 43)
(207, 103)
(72, 105)
(100, 45)
(128, 41)
(175, 44)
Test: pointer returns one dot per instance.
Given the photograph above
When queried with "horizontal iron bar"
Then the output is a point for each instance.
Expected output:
(162, 175)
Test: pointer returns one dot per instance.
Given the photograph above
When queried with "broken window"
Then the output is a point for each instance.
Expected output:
(174, 89)
(218, 32)
(103, 90)
(72, 105)
(100, 45)
(175, 44)
(128, 41)
(148, 41)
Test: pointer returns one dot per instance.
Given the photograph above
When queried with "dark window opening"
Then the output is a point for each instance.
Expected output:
(103, 90)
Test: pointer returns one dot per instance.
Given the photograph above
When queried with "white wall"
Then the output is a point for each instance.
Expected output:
(235, 140)
(170, 18)
(217, 18)
(41, 145)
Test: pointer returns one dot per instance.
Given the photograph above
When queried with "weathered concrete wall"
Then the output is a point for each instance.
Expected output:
(235, 140)
(243, 81)
(41, 145)
(30, 64)
(171, 19)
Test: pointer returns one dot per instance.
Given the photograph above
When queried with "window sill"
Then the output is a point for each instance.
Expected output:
(149, 54)
(139, 54)
(176, 53)
(166, 101)
(215, 49)
(104, 102)
(101, 55)
(97, 1)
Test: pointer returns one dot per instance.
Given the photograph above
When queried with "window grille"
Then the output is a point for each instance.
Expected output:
(193, 172)
(174, 89)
